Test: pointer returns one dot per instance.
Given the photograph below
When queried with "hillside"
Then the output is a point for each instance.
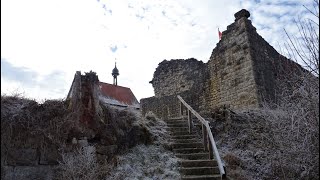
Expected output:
(264, 144)
(45, 141)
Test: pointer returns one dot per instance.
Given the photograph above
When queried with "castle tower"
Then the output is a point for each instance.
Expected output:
(115, 73)
(245, 70)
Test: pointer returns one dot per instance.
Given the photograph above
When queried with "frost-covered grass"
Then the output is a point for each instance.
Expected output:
(79, 164)
(146, 162)
(154, 161)
(280, 140)
(264, 144)
(273, 143)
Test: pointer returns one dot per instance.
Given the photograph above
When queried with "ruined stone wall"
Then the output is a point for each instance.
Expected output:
(169, 106)
(227, 78)
(74, 92)
(246, 71)
(272, 71)
(231, 74)
(89, 99)
(29, 136)
(243, 71)
(32, 146)
(175, 76)
(83, 97)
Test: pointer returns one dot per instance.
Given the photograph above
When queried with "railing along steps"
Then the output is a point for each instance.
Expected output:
(193, 160)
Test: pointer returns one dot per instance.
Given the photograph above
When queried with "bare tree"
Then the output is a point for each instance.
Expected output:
(295, 121)
(304, 47)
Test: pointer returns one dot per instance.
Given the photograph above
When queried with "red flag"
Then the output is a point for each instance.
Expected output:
(220, 34)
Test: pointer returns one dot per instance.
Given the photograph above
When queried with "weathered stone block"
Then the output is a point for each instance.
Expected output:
(33, 173)
(7, 172)
(22, 157)
(49, 155)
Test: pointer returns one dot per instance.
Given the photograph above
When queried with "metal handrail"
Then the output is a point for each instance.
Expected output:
(213, 144)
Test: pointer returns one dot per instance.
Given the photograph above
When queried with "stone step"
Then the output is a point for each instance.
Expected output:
(175, 124)
(176, 121)
(188, 136)
(198, 163)
(183, 124)
(175, 133)
(176, 118)
(188, 150)
(173, 121)
(199, 170)
(193, 140)
(186, 145)
(201, 177)
(176, 129)
(193, 156)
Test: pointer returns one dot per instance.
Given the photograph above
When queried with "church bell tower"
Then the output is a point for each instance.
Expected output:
(115, 73)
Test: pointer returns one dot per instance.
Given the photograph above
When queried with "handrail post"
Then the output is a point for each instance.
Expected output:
(181, 109)
(210, 148)
(205, 137)
(189, 120)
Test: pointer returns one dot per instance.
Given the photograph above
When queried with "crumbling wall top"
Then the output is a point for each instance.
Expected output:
(242, 13)
(177, 75)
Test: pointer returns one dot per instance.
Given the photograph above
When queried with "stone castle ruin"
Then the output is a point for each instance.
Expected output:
(243, 71)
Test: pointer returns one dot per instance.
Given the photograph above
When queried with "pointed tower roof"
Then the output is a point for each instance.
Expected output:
(115, 71)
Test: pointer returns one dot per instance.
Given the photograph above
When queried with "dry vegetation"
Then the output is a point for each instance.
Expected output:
(22, 118)
(27, 124)
(281, 139)
(278, 141)
(81, 164)
(154, 161)
(147, 161)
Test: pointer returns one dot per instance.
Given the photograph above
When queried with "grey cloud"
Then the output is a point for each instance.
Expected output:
(18, 74)
(54, 82)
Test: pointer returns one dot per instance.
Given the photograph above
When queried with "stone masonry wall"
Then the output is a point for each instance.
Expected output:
(83, 98)
(243, 72)
(169, 106)
(272, 71)
(175, 76)
(231, 74)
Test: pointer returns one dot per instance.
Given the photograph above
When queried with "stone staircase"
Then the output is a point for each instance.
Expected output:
(193, 160)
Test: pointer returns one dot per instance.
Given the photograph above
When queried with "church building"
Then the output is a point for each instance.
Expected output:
(116, 95)
(110, 94)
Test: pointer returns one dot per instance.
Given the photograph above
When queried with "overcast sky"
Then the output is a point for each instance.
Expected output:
(44, 42)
